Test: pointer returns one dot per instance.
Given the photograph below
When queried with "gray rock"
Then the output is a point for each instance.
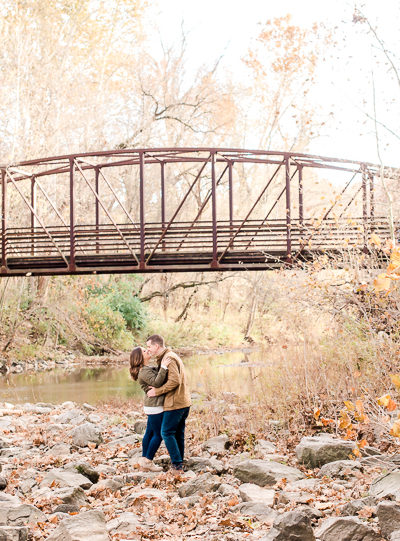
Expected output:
(386, 486)
(136, 478)
(70, 417)
(345, 529)
(340, 469)
(126, 440)
(64, 478)
(60, 449)
(265, 447)
(9, 499)
(227, 490)
(255, 509)
(204, 464)
(86, 433)
(395, 536)
(353, 507)
(125, 523)
(86, 470)
(13, 533)
(3, 482)
(265, 472)
(90, 525)
(216, 445)
(140, 426)
(66, 508)
(315, 451)
(291, 526)
(75, 496)
(311, 512)
(202, 483)
(250, 492)
(389, 517)
(149, 493)
(20, 515)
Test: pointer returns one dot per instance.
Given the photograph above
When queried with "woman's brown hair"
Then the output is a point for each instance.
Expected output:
(136, 362)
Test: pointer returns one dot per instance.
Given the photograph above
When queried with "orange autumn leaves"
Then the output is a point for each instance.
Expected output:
(387, 281)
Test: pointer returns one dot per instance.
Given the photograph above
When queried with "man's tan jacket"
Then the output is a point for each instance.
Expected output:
(176, 391)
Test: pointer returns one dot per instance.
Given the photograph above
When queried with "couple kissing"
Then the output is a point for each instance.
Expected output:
(166, 402)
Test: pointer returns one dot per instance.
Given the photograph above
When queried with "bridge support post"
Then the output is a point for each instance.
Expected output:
(288, 212)
(163, 202)
(214, 263)
(142, 263)
(364, 208)
(230, 181)
(33, 220)
(371, 201)
(97, 207)
(3, 221)
(71, 266)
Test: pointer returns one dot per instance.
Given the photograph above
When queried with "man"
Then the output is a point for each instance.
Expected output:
(176, 403)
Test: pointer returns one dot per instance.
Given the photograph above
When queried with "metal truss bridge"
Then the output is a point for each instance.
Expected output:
(183, 209)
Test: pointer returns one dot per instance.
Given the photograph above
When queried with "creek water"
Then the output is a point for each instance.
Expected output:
(228, 372)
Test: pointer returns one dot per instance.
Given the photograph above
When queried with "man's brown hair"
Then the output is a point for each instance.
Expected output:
(156, 339)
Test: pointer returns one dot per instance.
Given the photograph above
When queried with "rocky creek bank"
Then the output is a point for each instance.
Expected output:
(68, 473)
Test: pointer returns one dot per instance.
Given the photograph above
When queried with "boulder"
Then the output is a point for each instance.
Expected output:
(386, 486)
(265, 472)
(72, 496)
(66, 508)
(86, 470)
(60, 449)
(216, 445)
(3, 482)
(345, 529)
(20, 515)
(140, 426)
(198, 463)
(149, 493)
(126, 523)
(65, 478)
(353, 507)
(13, 533)
(250, 492)
(90, 525)
(203, 483)
(86, 433)
(389, 517)
(291, 526)
(395, 536)
(258, 510)
(9, 499)
(315, 451)
(340, 469)
(70, 417)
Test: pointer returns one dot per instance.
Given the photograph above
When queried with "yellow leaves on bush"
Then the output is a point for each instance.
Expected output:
(375, 240)
(395, 259)
(382, 283)
(395, 380)
(349, 405)
(387, 402)
(395, 430)
(344, 420)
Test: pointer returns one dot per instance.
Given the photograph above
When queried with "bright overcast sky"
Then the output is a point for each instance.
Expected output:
(226, 27)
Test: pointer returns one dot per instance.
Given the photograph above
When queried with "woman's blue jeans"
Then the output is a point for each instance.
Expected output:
(173, 433)
(152, 437)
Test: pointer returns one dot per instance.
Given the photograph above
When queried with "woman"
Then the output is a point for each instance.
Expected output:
(149, 376)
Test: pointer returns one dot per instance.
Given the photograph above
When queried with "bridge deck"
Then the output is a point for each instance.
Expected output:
(183, 247)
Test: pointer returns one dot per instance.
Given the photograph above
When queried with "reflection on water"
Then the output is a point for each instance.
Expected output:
(234, 372)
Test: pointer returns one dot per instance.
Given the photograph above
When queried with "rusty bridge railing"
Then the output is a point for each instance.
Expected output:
(189, 209)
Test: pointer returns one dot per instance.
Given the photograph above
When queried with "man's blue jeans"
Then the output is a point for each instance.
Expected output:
(173, 433)
(152, 437)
